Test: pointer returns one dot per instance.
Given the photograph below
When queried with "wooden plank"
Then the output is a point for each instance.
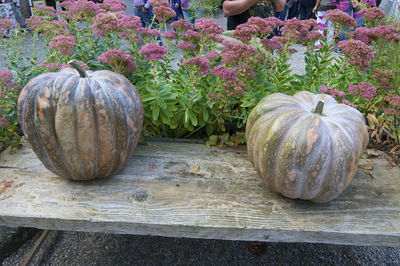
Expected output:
(162, 192)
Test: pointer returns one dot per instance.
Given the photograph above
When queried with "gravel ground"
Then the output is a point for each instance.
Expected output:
(77, 248)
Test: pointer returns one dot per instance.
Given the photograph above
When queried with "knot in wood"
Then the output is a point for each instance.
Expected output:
(140, 196)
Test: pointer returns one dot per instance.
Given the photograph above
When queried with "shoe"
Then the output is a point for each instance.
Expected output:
(339, 52)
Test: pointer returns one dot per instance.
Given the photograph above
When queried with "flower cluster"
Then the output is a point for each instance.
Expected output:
(356, 53)
(44, 11)
(129, 22)
(113, 5)
(303, 31)
(5, 24)
(365, 89)
(202, 63)
(245, 71)
(272, 44)
(170, 34)
(52, 67)
(360, 34)
(153, 51)
(373, 13)
(119, 61)
(234, 52)
(63, 44)
(387, 32)
(224, 73)
(105, 23)
(245, 32)
(3, 122)
(234, 87)
(163, 13)
(333, 92)
(185, 46)
(159, 3)
(182, 25)
(212, 55)
(191, 35)
(82, 9)
(394, 105)
(338, 16)
(384, 78)
(255, 26)
(148, 32)
(206, 25)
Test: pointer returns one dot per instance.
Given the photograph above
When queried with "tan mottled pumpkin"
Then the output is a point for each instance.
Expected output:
(81, 125)
(302, 151)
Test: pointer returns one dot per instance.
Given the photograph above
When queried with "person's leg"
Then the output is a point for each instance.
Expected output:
(302, 12)
(309, 13)
(178, 12)
(283, 13)
(345, 30)
(138, 12)
(147, 17)
(293, 11)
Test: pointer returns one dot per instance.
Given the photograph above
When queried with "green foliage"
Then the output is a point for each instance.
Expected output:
(9, 91)
(208, 7)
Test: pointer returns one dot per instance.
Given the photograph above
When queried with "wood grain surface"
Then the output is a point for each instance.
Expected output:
(189, 190)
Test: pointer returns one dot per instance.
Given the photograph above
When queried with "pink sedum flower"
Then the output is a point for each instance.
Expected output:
(338, 16)
(105, 23)
(209, 26)
(365, 89)
(44, 11)
(148, 32)
(271, 44)
(186, 46)
(5, 24)
(191, 35)
(212, 55)
(119, 61)
(182, 25)
(153, 51)
(224, 73)
(129, 22)
(169, 34)
(373, 13)
(159, 3)
(63, 44)
(234, 53)
(202, 63)
(163, 13)
(356, 53)
(83, 9)
(113, 5)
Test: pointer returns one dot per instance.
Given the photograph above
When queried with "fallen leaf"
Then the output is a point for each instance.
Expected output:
(366, 164)
(196, 169)
(257, 248)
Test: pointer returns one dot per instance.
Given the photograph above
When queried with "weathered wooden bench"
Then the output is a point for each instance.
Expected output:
(189, 190)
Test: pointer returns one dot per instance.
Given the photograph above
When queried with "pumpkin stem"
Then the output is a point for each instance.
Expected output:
(319, 108)
(77, 67)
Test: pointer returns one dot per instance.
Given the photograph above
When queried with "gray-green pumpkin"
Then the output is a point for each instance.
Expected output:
(81, 125)
(302, 153)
